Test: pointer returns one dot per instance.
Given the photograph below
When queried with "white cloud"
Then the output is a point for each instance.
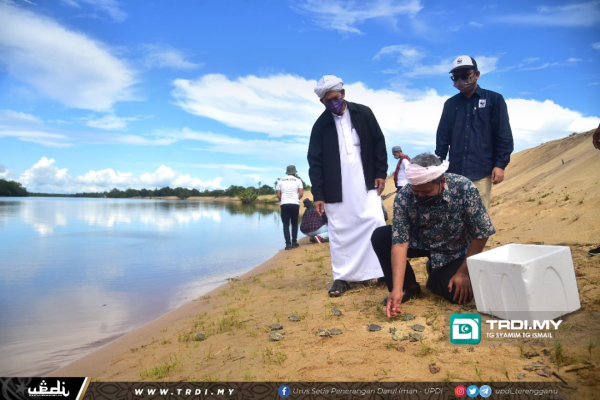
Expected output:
(596, 45)
(476, 24)
(534, 122)
(574, 60)
(45, 176)
(29, 128)
(165, 176)
(110, 122)
(571, 15)
(63, 65)
(278, 105)
(157, 56)
(407, 55)
(344, 16)
(111, 7)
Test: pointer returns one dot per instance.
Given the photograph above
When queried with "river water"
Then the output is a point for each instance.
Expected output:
(76, 273)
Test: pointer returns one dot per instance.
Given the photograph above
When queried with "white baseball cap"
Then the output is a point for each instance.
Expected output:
(463, 62)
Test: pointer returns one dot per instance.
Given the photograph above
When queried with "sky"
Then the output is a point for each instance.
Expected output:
(103, 94)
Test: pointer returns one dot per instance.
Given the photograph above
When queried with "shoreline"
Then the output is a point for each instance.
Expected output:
(121, 342)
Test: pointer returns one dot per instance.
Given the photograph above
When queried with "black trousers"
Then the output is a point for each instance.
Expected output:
(289, 213)
(381, 239)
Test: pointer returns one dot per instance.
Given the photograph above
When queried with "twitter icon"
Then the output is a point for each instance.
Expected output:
(485, 391)
(472, 391)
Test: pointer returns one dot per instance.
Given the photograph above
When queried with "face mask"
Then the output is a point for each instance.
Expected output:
(429, 201)
(335, 106)
(464, 86)
(396, 156)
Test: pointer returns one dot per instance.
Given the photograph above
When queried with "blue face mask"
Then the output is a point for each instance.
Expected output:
(335, 106)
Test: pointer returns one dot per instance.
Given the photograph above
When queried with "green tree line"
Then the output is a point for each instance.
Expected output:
(12, 188)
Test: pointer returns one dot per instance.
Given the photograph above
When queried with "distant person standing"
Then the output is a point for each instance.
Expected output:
(347, 168)
(289, 192)
(400, 173)
(474, 126)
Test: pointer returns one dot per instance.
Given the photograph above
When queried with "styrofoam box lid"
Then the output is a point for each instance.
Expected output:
(517, 253)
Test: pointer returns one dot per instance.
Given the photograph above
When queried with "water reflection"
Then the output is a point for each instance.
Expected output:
(75, 272)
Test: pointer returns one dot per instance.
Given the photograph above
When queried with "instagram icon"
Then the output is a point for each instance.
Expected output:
(460, 391)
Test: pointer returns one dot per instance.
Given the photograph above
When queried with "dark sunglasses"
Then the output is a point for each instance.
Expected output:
(463, 77)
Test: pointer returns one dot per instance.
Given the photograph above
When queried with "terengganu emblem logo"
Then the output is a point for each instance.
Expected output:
(465, 329)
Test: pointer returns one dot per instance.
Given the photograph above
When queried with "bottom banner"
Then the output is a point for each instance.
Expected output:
(82, 388)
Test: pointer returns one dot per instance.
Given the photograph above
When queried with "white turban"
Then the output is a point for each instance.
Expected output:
(417, 175)
(328, 83)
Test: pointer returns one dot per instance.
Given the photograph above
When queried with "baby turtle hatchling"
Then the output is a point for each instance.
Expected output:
(336, 311)
(275, 336)
(373, 327)
(415, 337)
(408, 317)
(399, 338)
(200, 336)
(275, 327)
(335, 331)
(294, 318)
(323, 333)
(418, 328)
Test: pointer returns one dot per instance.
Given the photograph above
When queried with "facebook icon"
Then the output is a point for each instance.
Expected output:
(284, 391)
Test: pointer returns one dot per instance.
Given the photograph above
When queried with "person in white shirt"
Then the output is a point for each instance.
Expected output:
(400, 173)
(289, 192)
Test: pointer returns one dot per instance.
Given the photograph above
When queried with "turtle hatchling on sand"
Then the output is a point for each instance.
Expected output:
(373, 327)
(323, 333)
(294, 318)
(275, 336)
(418, 328)
(200, 336)
(336, 311)
(415, 337)
(275, 327)
(408, 317)
(335, 331)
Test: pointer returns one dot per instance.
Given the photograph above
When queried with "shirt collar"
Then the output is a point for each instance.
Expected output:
(477, 92)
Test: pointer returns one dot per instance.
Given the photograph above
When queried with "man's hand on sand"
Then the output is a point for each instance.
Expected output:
(463, 293)
(393, 304)
(380, 185)
(497, 175)
(319, 207)
(596, 138)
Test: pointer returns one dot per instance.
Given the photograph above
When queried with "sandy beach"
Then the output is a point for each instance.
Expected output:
(551, 196)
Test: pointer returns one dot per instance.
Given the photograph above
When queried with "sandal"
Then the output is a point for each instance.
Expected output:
(338, 286)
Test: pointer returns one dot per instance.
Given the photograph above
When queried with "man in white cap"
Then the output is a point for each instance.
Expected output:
(437, 215)
(400, 173)
(474, 126)
(347, 167)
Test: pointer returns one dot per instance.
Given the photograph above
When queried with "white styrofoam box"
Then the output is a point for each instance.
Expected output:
(527, 282)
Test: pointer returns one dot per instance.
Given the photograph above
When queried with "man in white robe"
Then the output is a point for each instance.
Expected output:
(347, 168)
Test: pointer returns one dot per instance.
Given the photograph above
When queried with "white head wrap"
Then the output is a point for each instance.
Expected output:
(417, 175)
(328, 83)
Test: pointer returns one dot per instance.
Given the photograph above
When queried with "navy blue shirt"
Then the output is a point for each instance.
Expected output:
(477, 133)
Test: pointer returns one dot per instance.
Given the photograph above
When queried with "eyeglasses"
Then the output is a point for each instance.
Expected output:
(463, 77)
